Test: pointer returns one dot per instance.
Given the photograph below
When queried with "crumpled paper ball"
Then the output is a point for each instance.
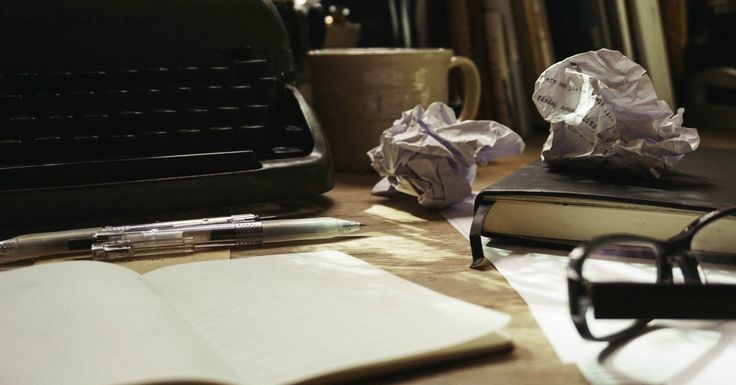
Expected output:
(430, 155)
(604, 113)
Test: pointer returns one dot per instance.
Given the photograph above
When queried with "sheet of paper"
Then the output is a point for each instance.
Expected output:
(431, 155)
(604, 113)
(283, 318)
(674, 352)
(458, 217)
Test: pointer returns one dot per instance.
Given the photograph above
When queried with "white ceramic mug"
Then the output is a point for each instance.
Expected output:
(359, 92)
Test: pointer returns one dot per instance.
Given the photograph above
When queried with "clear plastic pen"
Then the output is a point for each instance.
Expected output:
(36, 245)
(165, 238)
(188, 239)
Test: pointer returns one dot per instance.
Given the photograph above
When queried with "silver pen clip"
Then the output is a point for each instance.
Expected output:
(239, 218)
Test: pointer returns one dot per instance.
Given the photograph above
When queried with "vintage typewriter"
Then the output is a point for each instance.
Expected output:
(131, 108)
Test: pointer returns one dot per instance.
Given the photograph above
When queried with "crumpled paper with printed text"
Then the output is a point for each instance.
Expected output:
(431, 155)
(604, 113)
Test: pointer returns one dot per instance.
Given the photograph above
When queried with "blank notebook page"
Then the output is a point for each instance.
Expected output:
(93, 323)
(285, 318)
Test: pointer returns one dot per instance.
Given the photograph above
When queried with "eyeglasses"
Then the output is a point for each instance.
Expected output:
(689, 276)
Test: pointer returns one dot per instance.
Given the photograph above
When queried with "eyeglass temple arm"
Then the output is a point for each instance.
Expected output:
(674, 301)
(687, 233)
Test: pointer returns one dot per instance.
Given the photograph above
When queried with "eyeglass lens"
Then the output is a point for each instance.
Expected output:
(714, 246)
(629, 261)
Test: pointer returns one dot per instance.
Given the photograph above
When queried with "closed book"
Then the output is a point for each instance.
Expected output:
(536, 53)
(479, 55)
(537, 204)
(651, 46)
(500, 11)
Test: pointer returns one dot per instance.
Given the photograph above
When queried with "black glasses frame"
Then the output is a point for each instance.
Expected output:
(642, 302)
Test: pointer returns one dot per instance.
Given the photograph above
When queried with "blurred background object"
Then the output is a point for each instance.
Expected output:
(341, 32)
(706, 70)
(304, 22)
(513, 41)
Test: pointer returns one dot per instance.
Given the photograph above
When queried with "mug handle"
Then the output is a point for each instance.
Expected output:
(471, 86)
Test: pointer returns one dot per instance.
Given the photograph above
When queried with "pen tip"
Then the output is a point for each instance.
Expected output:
(350, 226)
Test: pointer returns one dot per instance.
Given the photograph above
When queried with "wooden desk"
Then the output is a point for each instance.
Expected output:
(419, 244)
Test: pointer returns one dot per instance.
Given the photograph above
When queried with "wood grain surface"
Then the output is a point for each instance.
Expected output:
(418, 244)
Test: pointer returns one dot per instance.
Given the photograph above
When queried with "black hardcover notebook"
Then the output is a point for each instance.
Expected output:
(537, 204)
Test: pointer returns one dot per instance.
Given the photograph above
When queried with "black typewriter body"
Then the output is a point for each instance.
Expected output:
(135, 108)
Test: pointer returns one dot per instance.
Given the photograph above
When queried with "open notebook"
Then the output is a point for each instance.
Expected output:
(282, 319)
